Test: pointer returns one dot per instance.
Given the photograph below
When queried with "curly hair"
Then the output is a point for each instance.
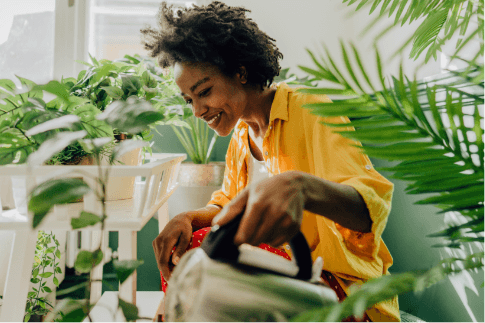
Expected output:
(217, 34)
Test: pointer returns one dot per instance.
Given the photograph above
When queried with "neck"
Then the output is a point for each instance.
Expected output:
(258, 113)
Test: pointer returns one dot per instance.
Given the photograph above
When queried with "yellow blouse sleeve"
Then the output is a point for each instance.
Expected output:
(229, 187)
(337, 159)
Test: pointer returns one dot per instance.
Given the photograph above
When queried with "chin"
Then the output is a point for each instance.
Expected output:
(223, 132)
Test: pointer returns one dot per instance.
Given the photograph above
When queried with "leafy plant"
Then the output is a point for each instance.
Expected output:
(131, 116)
(25, 109)
(432, 128)
(47, 256)
(442, 21)
(86, 96)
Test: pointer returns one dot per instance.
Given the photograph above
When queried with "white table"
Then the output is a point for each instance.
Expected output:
(125, 216)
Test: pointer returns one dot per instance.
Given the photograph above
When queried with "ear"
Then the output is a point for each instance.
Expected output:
(242, 74)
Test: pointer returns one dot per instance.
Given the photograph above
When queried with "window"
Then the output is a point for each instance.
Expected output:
(114, 26)
(27, 40)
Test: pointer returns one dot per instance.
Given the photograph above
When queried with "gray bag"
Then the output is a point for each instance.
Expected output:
(222, 282)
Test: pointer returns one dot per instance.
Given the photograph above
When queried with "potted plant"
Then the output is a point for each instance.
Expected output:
(131, 118)
(44, 271)
(199, 178)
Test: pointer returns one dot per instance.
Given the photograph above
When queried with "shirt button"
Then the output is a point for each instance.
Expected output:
(266, 153)
(368, 167)
(287, 247)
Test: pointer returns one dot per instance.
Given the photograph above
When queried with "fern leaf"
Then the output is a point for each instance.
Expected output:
(427, 33)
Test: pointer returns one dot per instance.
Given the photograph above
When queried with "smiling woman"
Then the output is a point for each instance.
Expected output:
(315, 180)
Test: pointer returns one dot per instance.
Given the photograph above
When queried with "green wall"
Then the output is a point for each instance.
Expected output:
(405, 236)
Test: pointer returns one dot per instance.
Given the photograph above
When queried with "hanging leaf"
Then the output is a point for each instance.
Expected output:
(53, 192)
(125, 268)
(85, 219)
(87, 260)
(130, 311)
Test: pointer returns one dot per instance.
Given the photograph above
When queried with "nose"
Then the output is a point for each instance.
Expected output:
(199, 109)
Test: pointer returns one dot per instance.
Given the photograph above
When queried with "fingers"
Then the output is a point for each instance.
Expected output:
(183, 243)
(285, 236)
(162, 257)
(230, 211)
(251, 220)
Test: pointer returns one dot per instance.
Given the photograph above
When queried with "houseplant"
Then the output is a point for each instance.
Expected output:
(433, 128)
(44, 269)
(129, 117)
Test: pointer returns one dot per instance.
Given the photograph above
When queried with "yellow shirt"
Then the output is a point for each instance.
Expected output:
(297, 140)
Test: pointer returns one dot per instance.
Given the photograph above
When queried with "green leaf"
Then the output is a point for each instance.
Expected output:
(56, 281)
(68, 310)
(56, 88)
(58, 254)
(27, 317)
(130, 311)
(7, 86)
(133, 116)
(131, 84)
(50, 250)
(85, 219)
(125, 268)
(58, 270)
(113, 91)
(53, 192)
(45, 275)
(52, 146)
(47, 289)
(87, 260)
(35, 272)
(34, 280)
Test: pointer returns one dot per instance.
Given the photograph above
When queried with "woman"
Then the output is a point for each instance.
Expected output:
(318, 182)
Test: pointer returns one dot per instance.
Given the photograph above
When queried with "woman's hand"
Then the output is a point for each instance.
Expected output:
(177, 233)
(273, 210)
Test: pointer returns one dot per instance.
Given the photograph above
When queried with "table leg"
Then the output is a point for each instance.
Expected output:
(163, 217)
(19, 271)
(127, 251)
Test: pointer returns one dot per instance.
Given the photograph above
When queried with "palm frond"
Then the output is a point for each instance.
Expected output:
(442, 20)
(386, 287)
(432, 127)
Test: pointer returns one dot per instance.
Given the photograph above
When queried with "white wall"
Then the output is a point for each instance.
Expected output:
(300, 24)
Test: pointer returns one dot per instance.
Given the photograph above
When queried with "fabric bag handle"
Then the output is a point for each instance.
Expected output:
(219, 245)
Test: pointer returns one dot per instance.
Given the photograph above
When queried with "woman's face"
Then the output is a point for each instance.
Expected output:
(216, 98)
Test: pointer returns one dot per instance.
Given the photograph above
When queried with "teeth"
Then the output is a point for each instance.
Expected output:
(213, 119)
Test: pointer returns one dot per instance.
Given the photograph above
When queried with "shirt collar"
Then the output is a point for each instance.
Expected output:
(279, 107)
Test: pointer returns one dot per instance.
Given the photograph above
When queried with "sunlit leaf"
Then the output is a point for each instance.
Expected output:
(58, 123)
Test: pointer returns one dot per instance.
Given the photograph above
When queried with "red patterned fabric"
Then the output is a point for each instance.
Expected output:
(199, 235)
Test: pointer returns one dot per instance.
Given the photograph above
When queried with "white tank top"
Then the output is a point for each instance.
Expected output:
(257, 170)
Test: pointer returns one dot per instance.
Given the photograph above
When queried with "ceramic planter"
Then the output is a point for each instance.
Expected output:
(197, 182)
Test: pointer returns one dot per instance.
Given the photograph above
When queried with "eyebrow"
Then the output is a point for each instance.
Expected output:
(199, 82)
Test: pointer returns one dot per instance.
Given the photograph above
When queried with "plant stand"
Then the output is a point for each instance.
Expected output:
(156, 181)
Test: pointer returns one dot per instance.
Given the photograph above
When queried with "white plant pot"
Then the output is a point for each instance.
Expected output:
(122, 188)
(197, 182)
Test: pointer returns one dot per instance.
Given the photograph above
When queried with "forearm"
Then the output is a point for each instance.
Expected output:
(202, 217)
(338, 202)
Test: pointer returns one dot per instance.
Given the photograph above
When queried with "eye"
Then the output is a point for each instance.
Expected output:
(188, 101)
(204, 92)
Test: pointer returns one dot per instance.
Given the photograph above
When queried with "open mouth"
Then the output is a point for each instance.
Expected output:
(211, 121)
